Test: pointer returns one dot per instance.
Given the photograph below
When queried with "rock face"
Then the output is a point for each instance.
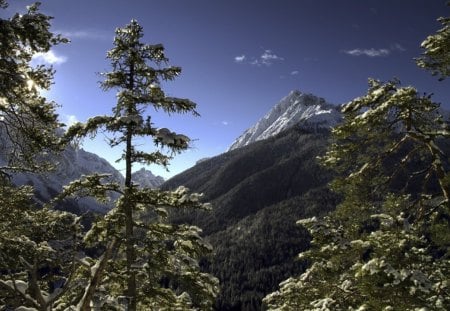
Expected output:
(145, 179)
(70, 165)
(305, 110)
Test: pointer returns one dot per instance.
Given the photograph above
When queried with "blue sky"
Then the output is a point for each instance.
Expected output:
(239, 58)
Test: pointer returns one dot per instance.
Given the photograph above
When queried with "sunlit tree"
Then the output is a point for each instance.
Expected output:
(36, 244)
(28, 121)
(147, 263)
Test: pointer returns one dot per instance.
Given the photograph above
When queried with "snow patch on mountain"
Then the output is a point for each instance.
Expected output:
(305, 110)
(70, 165)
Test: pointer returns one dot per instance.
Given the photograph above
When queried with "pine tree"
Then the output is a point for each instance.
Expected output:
(28, 121)
(147, 263)
(36, 244)
(386, 247)
(436, 57)
(390, 233)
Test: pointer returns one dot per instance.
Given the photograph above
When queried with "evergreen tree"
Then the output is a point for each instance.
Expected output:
(28, 121)
(390, 233)
(147, 263)
(436, 57)
(386, 247)
(36, 244)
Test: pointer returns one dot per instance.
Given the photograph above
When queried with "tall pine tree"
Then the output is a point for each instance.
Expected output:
(148, 263)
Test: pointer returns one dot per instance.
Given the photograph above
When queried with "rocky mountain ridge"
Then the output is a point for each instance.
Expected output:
(146, 179)
(296, 109)
(71, 164)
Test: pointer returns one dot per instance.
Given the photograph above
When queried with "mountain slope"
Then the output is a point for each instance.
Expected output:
(258, 192)
(252, 256)
(296, 109)
(71, 164)
(145, 179)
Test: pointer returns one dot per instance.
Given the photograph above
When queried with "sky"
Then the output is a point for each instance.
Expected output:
(239, 58)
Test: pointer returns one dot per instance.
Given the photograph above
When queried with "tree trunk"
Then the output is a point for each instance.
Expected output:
(437, 163)
(128, 208)
(84, 304)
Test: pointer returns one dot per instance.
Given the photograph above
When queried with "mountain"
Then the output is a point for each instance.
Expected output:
(71, 164)
(267, 180)
(258, 192)
(296, 109)
(145, 179)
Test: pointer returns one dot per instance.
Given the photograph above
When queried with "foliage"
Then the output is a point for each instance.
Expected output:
(147, 262)
(37, 245)
(387, 245)
(436, 57)
(28, 122)
(37, 250)
(389, 141)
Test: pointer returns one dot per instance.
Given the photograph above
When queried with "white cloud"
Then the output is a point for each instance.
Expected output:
(70, 120)
(368, 52)
(295, 72)
(85, 34)
(267, 58)
(49, 58)
(225, 123)
(397, 47)
(239, 59)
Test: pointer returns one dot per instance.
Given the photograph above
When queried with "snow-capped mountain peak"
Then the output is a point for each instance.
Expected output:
(297, 108)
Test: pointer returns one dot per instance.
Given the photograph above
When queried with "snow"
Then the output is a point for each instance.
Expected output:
(70, 165)
(74, 162)
(20, 285)
(307, 110)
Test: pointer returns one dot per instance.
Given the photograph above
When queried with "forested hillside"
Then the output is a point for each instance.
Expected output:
(257, 193)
